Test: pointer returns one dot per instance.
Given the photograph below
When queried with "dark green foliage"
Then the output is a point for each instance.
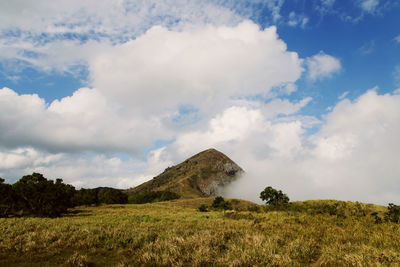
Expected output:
(274, 197)
(203, 208)
(217, 202)
(152, 196)
(7, 198)
(41, 197)
(85, 197)
(220, 203)
(112, 196)
(393, 213)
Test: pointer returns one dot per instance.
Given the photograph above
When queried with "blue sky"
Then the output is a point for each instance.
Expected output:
(302, 94)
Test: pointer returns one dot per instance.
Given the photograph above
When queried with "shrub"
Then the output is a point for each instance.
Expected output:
(220, 203)
(393, 213)
(217, 202)
(85, 197)
(7, 198)
(274, 197)
(112, 196)
(41, 197)
(203, 208)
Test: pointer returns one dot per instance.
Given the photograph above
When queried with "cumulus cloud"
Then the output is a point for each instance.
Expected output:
(210, 64)
(85, 121)
(140, 86)
(47, 33)
(397, 38)
(352, 157)
(322, 66)
(82, 170)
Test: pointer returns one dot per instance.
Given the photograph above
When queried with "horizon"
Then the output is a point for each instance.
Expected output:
(304, 96)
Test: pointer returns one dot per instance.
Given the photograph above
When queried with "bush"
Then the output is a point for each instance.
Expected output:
(274, 197)
(41, 197)
(203, 208)
(7, 198)
(220, 203)
(217, 202)
(393, 213)
(112, 196)
(152, 196)
(85, 197)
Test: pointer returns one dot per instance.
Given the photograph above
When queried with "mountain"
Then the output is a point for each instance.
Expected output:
(202, 175)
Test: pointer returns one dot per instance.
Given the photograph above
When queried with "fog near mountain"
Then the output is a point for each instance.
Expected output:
(353, 155)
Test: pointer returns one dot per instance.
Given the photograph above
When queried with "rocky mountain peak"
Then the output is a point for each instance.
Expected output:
(203, 174)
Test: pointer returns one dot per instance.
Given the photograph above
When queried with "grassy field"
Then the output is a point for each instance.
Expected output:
(316, 233)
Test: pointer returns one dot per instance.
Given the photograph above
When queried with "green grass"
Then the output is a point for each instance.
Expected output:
(176, 234)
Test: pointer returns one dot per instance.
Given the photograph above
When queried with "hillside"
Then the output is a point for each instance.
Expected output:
(175, 233)
(202, 175)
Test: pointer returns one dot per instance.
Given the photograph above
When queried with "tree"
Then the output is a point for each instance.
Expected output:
(7, 198)
(393, 213)
(203, 208)
(220, 203)
(85, 197)
(112, 196)
(274, 197)
(41, 197)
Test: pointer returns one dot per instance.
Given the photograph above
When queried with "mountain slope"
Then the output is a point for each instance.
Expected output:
(201, 175)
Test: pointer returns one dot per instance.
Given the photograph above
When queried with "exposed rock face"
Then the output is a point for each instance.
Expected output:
(227, 173)
(204, 174)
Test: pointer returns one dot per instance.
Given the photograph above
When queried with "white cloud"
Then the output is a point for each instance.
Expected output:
(325, 7)
(297, 20)
(140, 85)
(82, 170)
(117, 19)
(342, 96)
(49, 33)
(210, 64)
(354, 156)
(369, 6)
(397, 38)
(275, 7)
(285, 107)
(84, 121)
(322, 66)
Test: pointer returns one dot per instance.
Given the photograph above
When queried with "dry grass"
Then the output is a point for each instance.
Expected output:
(176, 234)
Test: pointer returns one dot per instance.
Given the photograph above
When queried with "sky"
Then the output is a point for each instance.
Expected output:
(303, 94)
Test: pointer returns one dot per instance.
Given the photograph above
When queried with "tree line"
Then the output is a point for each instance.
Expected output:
(35, 195)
